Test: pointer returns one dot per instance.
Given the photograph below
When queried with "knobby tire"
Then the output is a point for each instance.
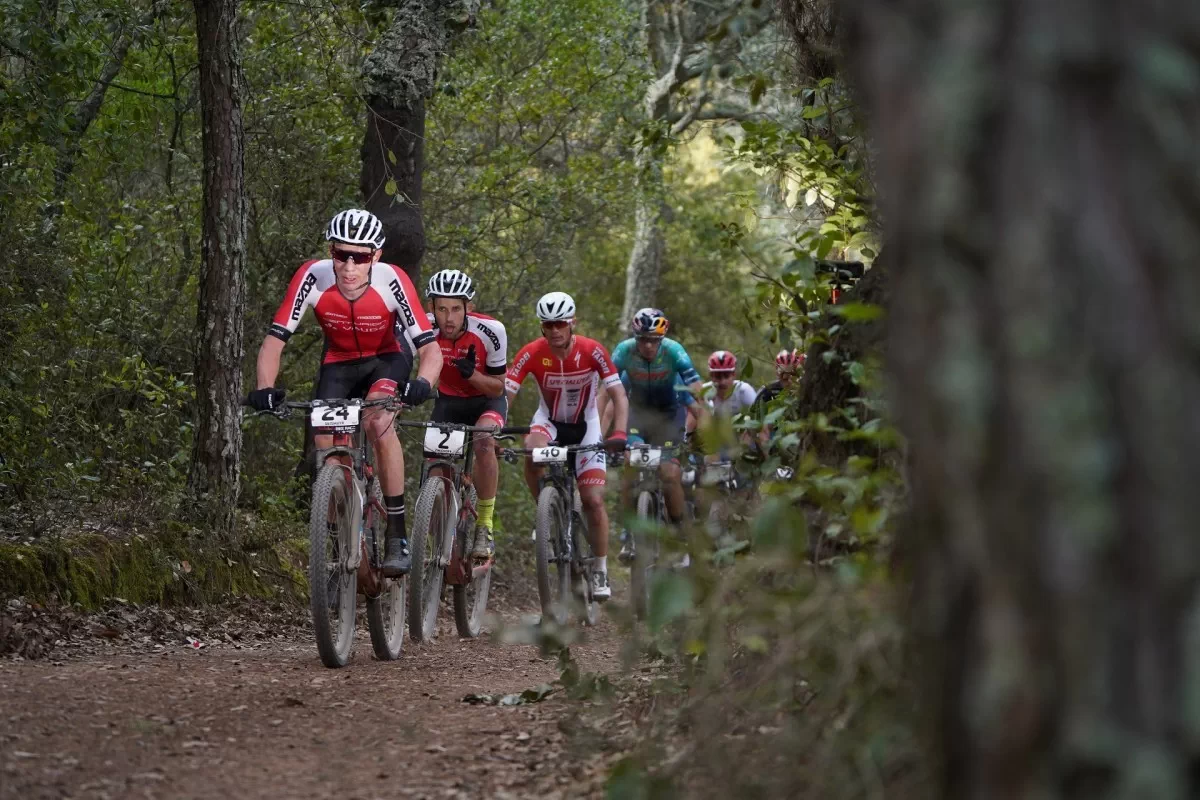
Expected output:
(432, 524)
(553, 590)
(386, 612)
(331, 489)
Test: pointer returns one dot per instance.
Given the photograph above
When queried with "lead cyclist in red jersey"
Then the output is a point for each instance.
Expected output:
(569, 371)
(471, 392)
(355, 298)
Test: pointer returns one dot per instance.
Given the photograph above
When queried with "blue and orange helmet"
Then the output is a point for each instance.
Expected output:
(649, 322)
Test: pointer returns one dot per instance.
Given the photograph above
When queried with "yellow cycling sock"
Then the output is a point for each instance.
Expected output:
(485, 508)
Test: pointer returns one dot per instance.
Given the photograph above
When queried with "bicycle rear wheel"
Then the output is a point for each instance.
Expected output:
(581, 580)
(331, 585)
(470, 600)
(553, 566)
(645, 554)
(433, 526)
(386, 611)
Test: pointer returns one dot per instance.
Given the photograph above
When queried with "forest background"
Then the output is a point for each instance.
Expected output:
(703, 157)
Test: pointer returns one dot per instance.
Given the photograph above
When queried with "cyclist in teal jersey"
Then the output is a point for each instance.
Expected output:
(652, 364)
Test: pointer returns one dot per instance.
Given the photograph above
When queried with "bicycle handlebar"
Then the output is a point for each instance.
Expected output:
(454, 426)
(285, 408)
(570, 448)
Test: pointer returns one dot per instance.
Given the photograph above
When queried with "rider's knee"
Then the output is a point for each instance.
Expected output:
(669, 472)
(378, 428)
(592, 500)
(484, 446)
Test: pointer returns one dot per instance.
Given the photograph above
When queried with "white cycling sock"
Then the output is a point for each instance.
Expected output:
(600, 564)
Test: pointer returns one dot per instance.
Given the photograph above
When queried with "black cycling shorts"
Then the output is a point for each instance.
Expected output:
(652, 426)
(468, 410)
(347, 380)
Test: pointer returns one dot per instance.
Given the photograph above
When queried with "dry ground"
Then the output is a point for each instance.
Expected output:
(131, 719)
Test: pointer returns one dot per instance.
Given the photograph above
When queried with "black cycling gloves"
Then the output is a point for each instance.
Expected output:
(416, 392)
(266, 399)
(466, 364)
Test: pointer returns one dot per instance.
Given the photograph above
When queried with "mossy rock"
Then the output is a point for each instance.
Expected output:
(90, 569)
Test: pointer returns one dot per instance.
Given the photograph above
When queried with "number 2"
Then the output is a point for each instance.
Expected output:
(445, 438)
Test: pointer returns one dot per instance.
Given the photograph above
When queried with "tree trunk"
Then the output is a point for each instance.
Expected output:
(400, 75)
(646, 260)
(216, 450)
(682, 43)
(1041, 192)
(393, 190)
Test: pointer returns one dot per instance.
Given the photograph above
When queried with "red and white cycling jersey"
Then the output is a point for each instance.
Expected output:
(568, 386)
(491, 353)
(353, 329)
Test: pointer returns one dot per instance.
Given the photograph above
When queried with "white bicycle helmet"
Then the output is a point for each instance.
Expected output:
(355, 226)
(451, 283)
(556, 307)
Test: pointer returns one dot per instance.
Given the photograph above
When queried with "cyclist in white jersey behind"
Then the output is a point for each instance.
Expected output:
(725, 394)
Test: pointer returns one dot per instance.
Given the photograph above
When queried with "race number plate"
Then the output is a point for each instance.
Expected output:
(549, 455)
(343, 419)
(444, 442)
(645, 458)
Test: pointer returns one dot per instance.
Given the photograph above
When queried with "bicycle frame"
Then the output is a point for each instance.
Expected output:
(360, 469)
(460, 468)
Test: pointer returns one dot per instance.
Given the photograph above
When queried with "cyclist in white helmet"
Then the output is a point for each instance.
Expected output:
(356, 298)
(570, 371)
(471, 391)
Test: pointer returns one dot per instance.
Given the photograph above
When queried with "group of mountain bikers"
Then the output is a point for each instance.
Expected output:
(373, 320)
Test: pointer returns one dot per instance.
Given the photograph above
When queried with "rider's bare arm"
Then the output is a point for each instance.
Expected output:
(491, 385)
(430, 355)
(619, 404)
(605, 406)
(268, 361)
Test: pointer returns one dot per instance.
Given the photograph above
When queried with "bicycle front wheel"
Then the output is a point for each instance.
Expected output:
(433, 527)
(331, 582)
(645, 550)
(385, 611)
(553, 563)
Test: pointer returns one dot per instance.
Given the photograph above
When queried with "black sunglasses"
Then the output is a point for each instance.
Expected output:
(350, 255)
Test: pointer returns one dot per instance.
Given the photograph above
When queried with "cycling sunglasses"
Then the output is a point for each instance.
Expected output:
(351, 255)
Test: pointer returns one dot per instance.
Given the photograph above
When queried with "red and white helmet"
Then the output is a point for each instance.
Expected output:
(722, 361)
(789, 358)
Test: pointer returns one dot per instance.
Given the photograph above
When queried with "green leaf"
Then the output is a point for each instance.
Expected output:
(757, 89)
(389, 188)
(670, 598)
(391, 157)
(858, 312)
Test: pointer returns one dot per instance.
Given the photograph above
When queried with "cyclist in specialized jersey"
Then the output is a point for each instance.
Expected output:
(653, 363)
(569, 371)
(471, 390)
(723, 393)
(355, 298)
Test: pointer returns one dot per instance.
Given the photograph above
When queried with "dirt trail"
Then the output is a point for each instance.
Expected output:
(272, 722)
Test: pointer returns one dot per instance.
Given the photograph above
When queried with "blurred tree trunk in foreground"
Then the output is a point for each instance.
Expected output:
(1040, 180)
(217, 444)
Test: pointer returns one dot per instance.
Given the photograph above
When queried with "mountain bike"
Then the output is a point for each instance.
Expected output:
(347, 526)
(652, 520)
(728, 490)
(564, 554)
(443, 525)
